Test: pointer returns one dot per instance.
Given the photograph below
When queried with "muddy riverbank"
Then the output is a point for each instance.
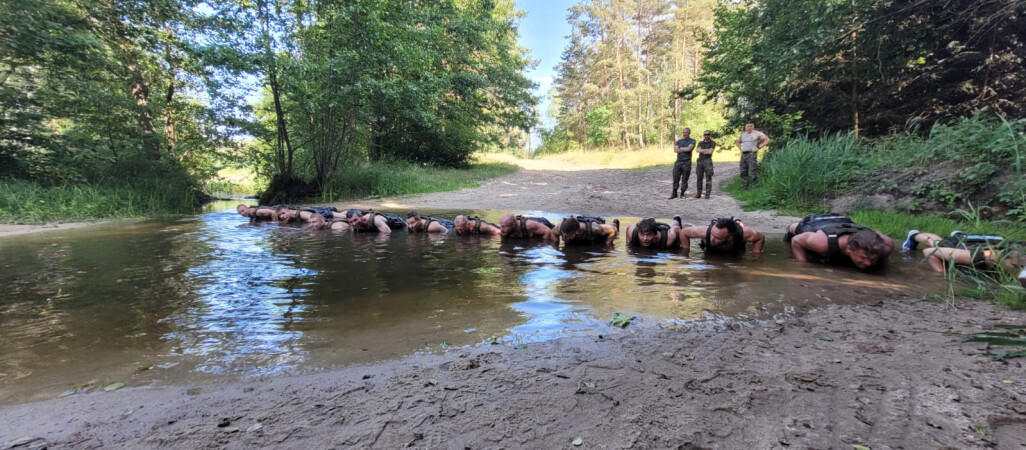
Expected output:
(896, 374)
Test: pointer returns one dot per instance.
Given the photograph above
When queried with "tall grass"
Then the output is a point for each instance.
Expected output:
(402, 178)
(799, 176)
(29, 202)
(997, 285)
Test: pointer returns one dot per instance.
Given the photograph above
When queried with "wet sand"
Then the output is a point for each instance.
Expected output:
(896, 373)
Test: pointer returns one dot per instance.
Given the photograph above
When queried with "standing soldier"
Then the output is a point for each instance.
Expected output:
(682, 168)
(704, 169)
(750, 141)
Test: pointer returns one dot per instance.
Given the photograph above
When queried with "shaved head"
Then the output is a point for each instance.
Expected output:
(507, 224)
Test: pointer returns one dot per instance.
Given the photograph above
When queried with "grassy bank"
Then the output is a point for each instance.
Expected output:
(402, 178)
(26, 202)
(162, 194)
(974, 165)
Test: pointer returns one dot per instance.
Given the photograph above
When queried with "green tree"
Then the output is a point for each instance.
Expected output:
(866, 65)
(634, 57)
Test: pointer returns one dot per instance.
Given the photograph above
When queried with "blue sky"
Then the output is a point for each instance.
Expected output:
(544, 32)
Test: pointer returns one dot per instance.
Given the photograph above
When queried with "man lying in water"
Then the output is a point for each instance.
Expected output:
(979, 252)
(415, 222)
(374, 221)
(257, 212)
(655, 235)
(523, 227)
(474, 225)
(834, 239)
(727, 236)
(289, 214)
(319, 222)
(585, 230)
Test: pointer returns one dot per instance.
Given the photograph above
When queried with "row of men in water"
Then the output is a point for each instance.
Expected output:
(831, 239)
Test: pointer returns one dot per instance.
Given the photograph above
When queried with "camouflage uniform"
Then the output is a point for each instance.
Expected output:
(748, 168)
(704, 169)
(749, 156)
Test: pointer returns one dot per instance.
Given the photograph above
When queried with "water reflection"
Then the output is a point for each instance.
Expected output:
(213, 295)
(249, 289)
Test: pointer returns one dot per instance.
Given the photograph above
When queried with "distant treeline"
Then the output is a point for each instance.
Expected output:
(98, 90)
(636, 71)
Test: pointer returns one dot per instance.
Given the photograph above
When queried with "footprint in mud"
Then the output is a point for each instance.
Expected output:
(461, 364)
(808, 380)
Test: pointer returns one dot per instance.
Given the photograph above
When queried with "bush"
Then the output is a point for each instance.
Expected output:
(799, 176)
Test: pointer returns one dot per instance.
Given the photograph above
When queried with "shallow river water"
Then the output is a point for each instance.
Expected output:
(214, 297)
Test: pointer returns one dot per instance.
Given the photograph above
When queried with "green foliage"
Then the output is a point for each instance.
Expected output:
(598, 120)
(625, 75)
(233, 182)
(999, 286)
(87, 85)
(800, 175)
(138, 194)
(896, 224)
(386, 80)
(621, 320)
(966, 169)
(1009, 336)
(401, 178)
(700, 114)
(865, 65)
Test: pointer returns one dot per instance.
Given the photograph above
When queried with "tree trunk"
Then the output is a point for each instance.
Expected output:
(641, 71)
(169, 122)
(283, 148)
(141, 94)
(854, 73)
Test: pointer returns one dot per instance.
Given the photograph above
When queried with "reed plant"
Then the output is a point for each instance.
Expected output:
(997, 285)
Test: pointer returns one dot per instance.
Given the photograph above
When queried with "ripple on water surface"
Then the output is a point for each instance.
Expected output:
(214, 295)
